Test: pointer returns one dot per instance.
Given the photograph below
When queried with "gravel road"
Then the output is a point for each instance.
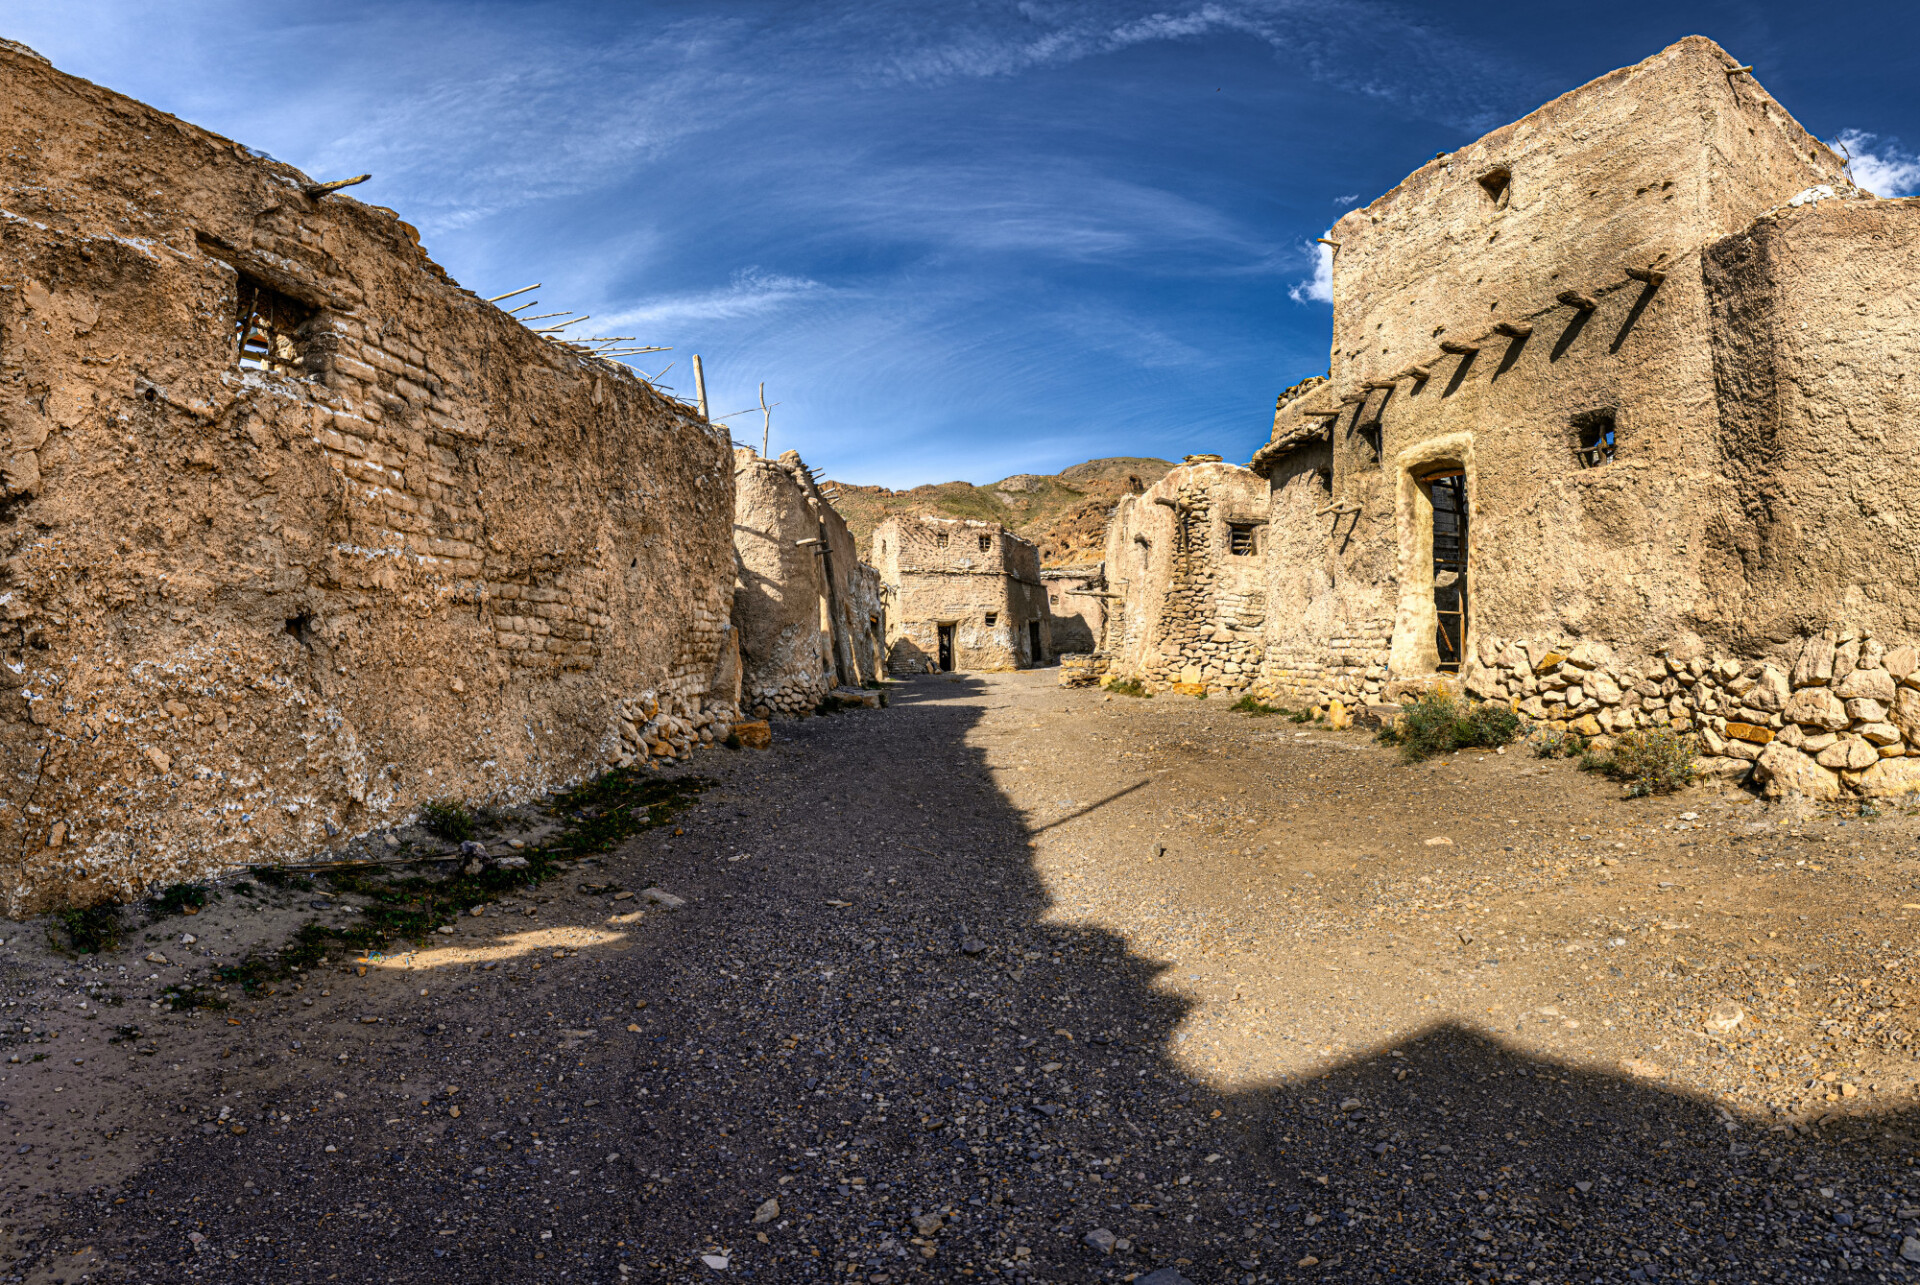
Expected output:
(1020, 983)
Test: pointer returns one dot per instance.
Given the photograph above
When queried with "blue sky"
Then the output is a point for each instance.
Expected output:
(957, 239)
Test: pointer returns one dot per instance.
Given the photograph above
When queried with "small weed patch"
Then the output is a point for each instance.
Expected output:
(1129, 687)
(91, 931)
(174, 899)
(449, 820)
(1549, 744)
(1254, 706)
(1437, 723)
(1648, 762)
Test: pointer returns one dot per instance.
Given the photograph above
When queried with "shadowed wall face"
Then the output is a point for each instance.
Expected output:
(809, 611)
(298, 533)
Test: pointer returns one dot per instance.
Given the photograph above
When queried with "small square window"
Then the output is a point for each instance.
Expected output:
(1240, 538)
(270, 329)
(986, 544)
(940, 541)
(993, 618)
(1594, 437)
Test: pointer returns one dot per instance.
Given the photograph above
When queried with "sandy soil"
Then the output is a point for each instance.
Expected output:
(1008, 981)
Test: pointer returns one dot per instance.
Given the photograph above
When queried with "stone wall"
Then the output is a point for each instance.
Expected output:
(1195, 610)
(1837, 713)
(408, 551)
(808, 610)
(976, 577)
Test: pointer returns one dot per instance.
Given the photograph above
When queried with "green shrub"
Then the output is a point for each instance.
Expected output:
(1303, 716)
(1129, 687)
(90, 931)
(1254, 706)
(1652, 761)
(1437, 723)
(448, 819)
(175, 898)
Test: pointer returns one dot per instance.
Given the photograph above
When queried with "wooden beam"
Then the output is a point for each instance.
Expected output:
(1652, 276)
(319, 190)
(1382, 383)
(1513, 329)
(1455, 346)
(1420, 374)
(1574, 299)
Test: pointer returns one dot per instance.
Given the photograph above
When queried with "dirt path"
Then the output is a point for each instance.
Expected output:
(1013, 982)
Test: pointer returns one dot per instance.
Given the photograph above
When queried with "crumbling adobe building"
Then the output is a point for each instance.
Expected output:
(810, 614)
(1620, 427)
(1184, 566)
(297, 534)
(962, 595)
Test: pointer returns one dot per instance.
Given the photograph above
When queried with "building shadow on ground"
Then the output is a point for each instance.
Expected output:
(872, 1050)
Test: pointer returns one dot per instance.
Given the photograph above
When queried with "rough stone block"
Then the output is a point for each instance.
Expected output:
(754, 734)
(1784, 771)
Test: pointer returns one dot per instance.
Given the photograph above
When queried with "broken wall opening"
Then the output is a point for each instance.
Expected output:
(270, 328)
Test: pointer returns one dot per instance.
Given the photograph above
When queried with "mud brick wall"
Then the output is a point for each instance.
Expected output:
(406, 550)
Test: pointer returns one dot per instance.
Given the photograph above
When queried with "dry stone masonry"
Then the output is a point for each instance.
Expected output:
(297, 534)
(1183, 557)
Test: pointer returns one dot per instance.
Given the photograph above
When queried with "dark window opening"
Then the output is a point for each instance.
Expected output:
(1449, 494)
(1498, 185)
(1594, 437)
(986, 543)
(1135, 486)
(940, 541)
(1240, 538)
(270, 329)
(300, 629)
(993, 618)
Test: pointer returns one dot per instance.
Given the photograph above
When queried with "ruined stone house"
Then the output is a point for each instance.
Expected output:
(1076, 607)
(962, 595)
(298, 534)
(809, 612)
(1187, 579)
(1618, 428)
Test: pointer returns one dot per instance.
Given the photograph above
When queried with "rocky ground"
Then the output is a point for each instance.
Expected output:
(1020, 983)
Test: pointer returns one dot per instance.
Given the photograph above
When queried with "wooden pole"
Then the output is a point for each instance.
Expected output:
(766, 420)
(700, 384)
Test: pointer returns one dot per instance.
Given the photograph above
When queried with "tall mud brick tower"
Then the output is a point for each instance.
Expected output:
(298, 534)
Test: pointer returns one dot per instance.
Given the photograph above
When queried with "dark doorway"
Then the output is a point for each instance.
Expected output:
(1449, 492)
(946, 648)
(1033, 640)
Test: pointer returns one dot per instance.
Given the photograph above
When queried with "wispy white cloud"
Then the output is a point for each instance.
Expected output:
(1880, 165)
(1319, 287)
(752, 293)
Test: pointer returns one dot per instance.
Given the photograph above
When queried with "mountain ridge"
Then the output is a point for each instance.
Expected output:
(1063, 513)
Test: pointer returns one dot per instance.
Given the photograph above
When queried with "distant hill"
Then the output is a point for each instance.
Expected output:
(1064, 513)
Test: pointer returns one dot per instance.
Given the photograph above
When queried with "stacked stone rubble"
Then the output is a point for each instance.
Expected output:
(1838, 713)
(658, 728)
